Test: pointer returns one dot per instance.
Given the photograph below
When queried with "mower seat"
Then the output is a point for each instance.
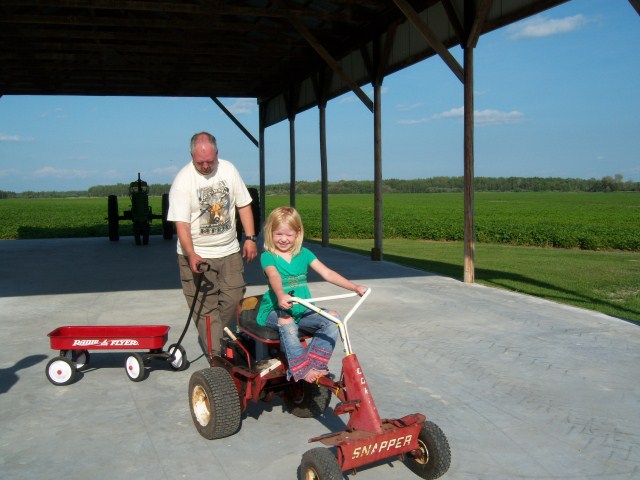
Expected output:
(246, 319)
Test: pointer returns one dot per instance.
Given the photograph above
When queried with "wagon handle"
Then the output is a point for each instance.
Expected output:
(198, 282)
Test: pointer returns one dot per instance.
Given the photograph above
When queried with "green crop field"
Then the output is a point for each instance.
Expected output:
(577, 248)
(591, 221)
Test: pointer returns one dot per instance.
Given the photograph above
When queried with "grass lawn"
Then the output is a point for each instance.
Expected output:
(607, 282)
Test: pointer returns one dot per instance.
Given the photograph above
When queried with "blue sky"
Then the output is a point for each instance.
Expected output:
(556, 95)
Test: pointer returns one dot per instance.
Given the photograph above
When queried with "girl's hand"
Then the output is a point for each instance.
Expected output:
(361, 290)
(284, 301)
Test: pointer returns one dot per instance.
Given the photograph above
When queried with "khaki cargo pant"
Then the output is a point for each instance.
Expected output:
(222, 287)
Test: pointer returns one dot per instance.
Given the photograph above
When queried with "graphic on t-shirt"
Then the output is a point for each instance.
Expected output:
(214, 200)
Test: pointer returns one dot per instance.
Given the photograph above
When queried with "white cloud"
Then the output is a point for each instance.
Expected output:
(243, 106)
(5, 137)
(453, 113)
(405, 107)
(541, 26)
(481, 117)
(64, 173)
(166, 170)
(9, 172)
(496, 117)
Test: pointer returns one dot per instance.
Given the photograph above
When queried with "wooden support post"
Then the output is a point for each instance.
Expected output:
(469, 242)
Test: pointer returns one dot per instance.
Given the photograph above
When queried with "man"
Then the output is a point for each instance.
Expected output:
(203, 200)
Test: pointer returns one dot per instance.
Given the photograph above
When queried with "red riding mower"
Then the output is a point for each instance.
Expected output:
(252, 368)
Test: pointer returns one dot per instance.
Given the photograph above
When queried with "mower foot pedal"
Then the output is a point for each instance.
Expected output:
(346, 407)
(267, 365)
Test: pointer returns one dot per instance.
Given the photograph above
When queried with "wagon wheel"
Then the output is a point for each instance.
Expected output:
(307, 400)
(79, 357)
(435, 455)
(214, 403)
(320, 464)
(134, 365)
(60, 371)
(112, 211)
(178, 360)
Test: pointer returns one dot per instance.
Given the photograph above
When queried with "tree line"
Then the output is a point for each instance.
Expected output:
(420, 185)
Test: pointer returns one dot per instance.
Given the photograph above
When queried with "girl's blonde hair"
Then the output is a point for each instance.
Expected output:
(283, 216)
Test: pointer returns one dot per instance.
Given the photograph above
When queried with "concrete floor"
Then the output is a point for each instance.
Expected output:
(522, 387)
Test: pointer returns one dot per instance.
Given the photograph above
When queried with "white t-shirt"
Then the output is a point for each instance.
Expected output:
(209, 203)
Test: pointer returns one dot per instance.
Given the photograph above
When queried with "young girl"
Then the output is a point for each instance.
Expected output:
(285, 263)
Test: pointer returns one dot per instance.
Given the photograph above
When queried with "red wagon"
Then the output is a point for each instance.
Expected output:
(74, 343)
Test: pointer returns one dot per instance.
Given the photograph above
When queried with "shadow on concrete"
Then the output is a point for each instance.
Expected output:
(9, 376)
(90, 265)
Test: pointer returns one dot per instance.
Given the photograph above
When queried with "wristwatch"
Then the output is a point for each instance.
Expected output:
(253, 238)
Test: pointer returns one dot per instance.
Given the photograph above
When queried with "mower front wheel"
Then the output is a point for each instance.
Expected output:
(214, 403)
(320, 464)
(435, 455)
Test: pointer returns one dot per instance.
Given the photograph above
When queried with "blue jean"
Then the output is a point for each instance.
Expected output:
(318, 350)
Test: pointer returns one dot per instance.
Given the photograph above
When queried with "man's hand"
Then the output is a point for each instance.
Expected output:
(194, 261)
(249, 250)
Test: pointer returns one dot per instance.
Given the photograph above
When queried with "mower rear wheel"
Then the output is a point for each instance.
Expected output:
(435, 455)
(214, 403)
(307, 400)
(179, 361)
(320, 464)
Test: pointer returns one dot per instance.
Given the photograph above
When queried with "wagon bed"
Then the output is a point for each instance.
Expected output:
(109, 337)
(74, 343)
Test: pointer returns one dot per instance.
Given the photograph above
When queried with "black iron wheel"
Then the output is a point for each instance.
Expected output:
(167, 226)
(112, 217)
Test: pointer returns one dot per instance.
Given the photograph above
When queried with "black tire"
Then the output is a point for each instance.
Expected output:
(112, 211)
(61, 371)
(134, 366)
(179, 362)
(214, 403)
(320, 464)
(435, 456)
(167, 226)
(307, 400)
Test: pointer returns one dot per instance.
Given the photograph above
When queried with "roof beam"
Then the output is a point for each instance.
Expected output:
(431, 38)
(478, 23)
(326, 56)
(635, 4)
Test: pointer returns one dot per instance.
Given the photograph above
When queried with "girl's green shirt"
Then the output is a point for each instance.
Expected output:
(294, 278)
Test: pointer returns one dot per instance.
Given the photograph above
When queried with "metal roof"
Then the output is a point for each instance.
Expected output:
(288, 54)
